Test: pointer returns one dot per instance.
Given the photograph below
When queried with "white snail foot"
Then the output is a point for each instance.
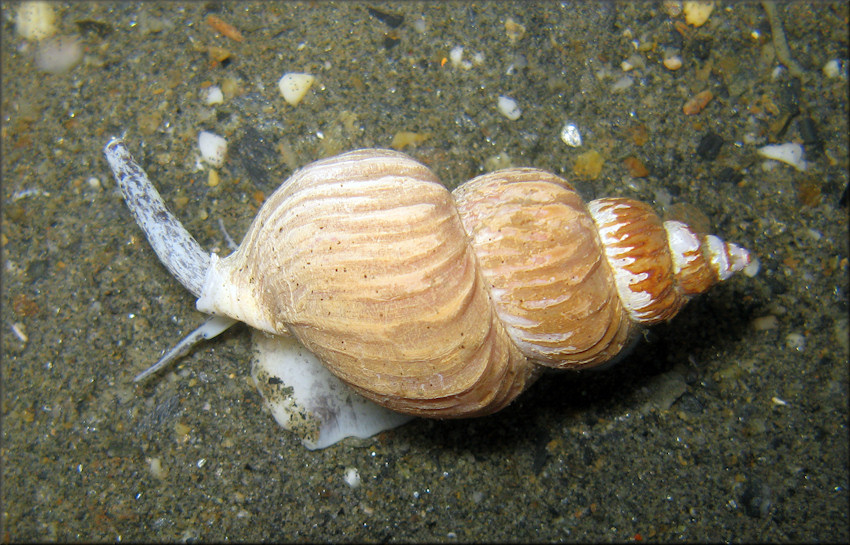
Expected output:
(306, 399)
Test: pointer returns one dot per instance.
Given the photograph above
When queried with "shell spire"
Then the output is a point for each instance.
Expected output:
(658, 265)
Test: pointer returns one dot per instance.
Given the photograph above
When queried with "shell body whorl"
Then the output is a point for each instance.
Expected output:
(374, 275)
(443, 304)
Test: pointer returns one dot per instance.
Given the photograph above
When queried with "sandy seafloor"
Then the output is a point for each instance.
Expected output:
(727, 424)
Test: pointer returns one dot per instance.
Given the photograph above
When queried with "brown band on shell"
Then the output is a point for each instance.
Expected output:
(635, 244)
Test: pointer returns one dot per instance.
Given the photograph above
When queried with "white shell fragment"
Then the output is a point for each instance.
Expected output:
(509, 108)
(306, 399)
(213, 148)
(571, 135)
(294, 86)
(789, 153)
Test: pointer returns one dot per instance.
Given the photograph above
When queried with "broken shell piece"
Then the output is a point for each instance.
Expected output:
(293, 86)
(788, 153)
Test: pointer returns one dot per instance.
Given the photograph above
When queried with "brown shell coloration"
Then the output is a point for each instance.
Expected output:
(443, 304)
(539, 251)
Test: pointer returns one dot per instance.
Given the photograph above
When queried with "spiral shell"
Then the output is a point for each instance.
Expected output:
(447, 304)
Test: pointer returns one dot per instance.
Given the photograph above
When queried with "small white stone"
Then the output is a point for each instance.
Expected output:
(571, 135)
(795, 341)
(509, 108)
(622, 84)
(764, 323)
(697, 13)
(213, 148)
(352, 477)
(832, 69)
(634, 61)
(673, 62)
(789, 153)
(752, 267)
(294, 85)
(213, 95)
(456, 55)
(156, 468)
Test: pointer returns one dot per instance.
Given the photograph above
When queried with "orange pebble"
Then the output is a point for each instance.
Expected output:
(636, 167)
(697, 103)
(224, 28)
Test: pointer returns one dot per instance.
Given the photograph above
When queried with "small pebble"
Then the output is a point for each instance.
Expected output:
(294, 86)
(213, 148)
(155, 465)
(570, 135)
(213, 179)
(697, 13)
(352, 477)
(456, 56)
(672, 7)
(497, 162)
(709, 146)
(635, 167)
(634, 61)
(509, 108)
(697, 103)
(764, 323)
(588, 165)
(213, 95)
(20, 332)
(832, 69)
(403, 139)
(514, 30)
(622, 84)
(672, 61)
(35, 20)
(59, 54)
(795, 341)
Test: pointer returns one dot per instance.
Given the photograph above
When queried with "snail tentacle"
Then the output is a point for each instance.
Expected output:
(213, 326)
(176, 248)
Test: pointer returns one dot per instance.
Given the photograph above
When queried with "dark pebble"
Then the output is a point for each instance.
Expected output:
(709, 146)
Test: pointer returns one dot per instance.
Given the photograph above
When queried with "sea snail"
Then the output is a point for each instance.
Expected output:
(426, 302)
